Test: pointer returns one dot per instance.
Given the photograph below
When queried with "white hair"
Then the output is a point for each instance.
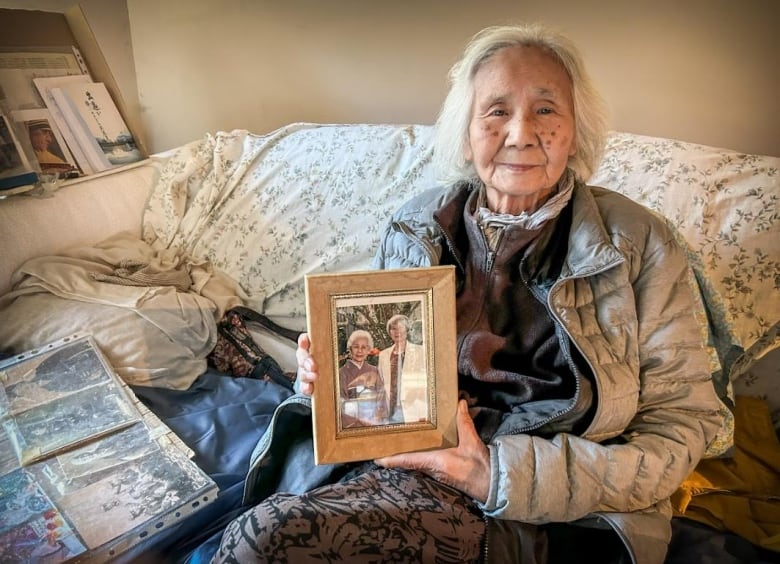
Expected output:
(360, 334)
(452, 126)
(399, 318)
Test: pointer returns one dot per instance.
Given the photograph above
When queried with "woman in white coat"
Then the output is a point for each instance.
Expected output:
(402, 367)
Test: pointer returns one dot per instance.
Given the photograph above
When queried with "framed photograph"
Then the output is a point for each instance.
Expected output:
(49, 147)
(16, 174)
(384, 343)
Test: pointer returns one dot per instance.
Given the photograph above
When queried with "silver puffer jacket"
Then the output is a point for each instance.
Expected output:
(624, 300)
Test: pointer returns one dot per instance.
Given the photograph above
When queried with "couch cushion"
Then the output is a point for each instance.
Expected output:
(153, 335)
(82, 212)
(269, 209)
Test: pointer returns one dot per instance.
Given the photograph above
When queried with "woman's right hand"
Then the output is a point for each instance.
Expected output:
(307, 368)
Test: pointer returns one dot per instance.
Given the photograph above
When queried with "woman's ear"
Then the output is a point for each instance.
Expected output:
(468, 154)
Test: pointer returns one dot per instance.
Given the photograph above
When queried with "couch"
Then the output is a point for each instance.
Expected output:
(248, 216)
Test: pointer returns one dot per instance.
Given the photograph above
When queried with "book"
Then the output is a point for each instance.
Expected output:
(48, 145)
(44, 86)
(86, 472)
(94, 105)
(93, 153)
(16, 173)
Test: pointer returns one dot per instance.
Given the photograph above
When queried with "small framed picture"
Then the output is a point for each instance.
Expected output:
(48, 145)
(384, 344)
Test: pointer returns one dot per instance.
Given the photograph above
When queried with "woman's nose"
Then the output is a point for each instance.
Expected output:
(521, 131)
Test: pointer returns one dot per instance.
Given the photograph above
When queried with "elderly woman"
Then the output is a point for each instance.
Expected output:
(357, 376)
(356, 372)
(586, 397)
(403, 371)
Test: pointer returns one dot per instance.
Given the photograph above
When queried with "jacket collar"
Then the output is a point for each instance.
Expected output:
(590, 246)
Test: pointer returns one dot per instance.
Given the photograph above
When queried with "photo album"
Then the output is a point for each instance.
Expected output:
(86, 471)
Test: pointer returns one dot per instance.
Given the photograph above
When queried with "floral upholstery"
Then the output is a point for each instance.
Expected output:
(306, 198)
(270, 209)
(724, 203)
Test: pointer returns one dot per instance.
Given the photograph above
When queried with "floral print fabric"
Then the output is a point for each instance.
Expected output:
(724, 203)
(269, 209)
(376, 515)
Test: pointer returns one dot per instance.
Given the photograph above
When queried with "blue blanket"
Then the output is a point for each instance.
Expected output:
(220, 418)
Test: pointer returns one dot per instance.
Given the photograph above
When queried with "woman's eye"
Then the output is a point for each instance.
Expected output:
(544, 111)
(498, 112)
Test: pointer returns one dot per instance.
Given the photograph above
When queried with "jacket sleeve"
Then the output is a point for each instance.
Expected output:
(566, 477)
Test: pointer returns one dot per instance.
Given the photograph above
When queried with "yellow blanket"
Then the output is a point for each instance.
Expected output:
(739, 494)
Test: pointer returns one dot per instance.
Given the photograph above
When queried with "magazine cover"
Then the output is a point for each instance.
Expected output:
(91, 493)
(96, 108)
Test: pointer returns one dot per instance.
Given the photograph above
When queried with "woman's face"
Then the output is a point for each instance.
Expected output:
(359, 349)
(398, 332)
(522, 131)
(40, 139)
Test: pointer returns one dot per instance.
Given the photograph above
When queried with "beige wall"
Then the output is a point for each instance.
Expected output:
(699, 70)
(110, 24)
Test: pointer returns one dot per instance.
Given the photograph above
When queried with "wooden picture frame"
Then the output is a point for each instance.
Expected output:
(357, 415)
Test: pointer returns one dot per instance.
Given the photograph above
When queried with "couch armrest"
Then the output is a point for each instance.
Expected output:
(82, 212)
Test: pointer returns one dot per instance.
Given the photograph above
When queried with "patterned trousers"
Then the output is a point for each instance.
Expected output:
(372, 515)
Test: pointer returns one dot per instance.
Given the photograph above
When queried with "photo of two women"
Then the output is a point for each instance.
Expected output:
(382, 359)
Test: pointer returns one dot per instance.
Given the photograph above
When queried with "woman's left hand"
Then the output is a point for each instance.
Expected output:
(465, 467)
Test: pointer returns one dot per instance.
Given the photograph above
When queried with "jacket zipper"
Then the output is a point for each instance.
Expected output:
(560, 325)
(485, 539)
(491, 259)
(560, 330)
